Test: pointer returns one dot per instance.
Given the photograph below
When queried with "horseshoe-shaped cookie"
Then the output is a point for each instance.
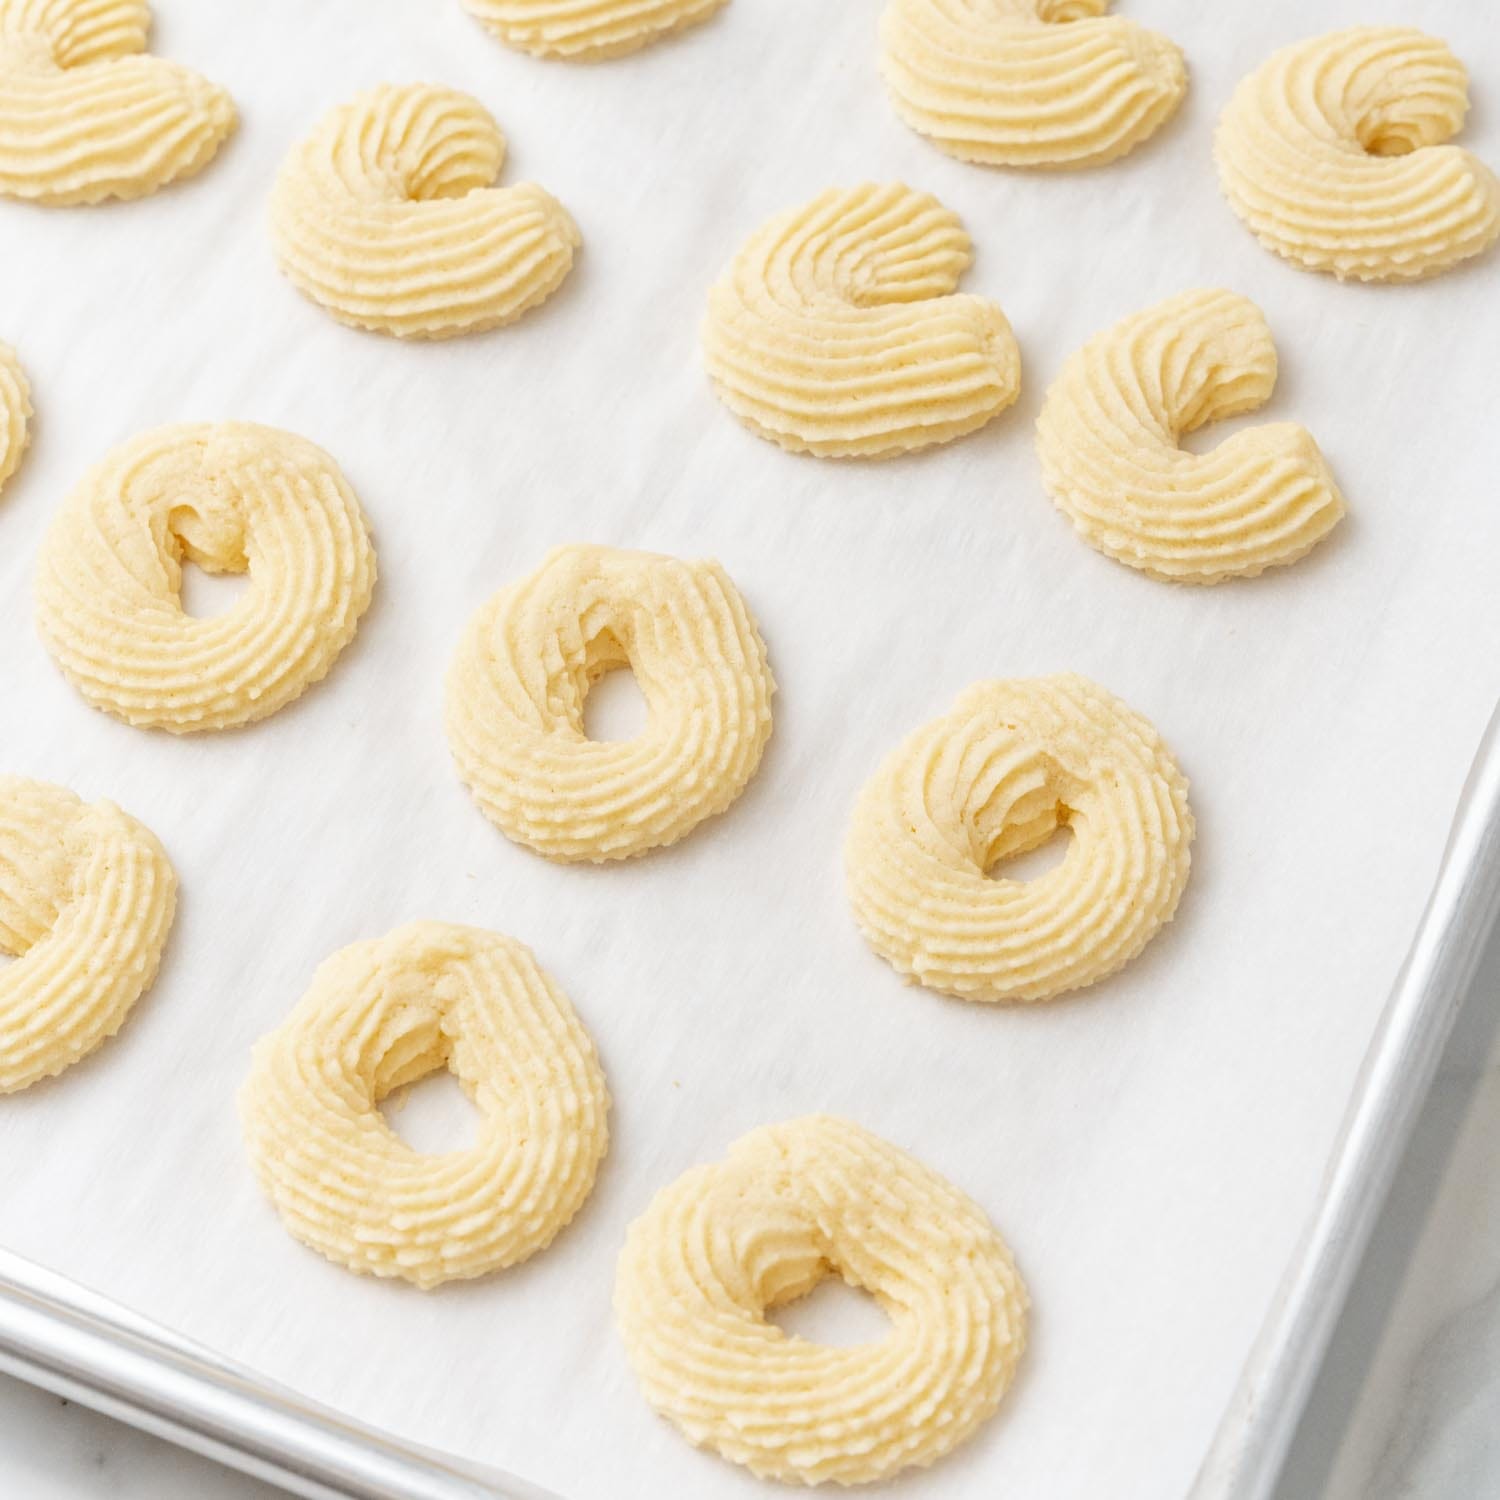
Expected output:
(388, 217)
(1109, 440)
(86, 115)
(588, 30)
(837, 331)
(1332, 152)
(1001, 82)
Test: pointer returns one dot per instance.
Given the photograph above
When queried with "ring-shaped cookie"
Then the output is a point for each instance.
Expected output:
(789, 1205)
(85, 115)
(389, 218)
(86, 901)
(382, 1014)
(588, 30)
(233, 498)
(526, 661)
(1003, 83)
(1109, 441)
(1333, 153)
(15, 412)
(1013, 762)
(837, 330)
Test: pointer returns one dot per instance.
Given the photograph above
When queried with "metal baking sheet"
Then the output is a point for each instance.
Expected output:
(1154, 1149)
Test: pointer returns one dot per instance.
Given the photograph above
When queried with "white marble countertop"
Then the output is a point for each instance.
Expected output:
(1406, 1407)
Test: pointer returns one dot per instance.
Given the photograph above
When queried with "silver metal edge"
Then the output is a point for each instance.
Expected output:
(63, 1338)
(1250, 1447)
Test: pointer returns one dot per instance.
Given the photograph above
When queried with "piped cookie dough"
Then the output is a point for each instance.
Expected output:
(382, 1014)
(523, 668)
(838, 330)
(789, 1205)
(998, 775)
(87, 896)
(87, 114)
(388, 216)
(231, 497)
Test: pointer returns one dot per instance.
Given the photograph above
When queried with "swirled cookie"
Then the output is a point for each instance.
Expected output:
(588, 30)
(380, 1015)
(999, 82)
(388, 217)
(1332, 153)
(525, 664)
(15, 412)
(86, 901)
(233, 498)
(836, 330)
(1012, 763)
(85, 115)
(1108, 440)
(791, 1204)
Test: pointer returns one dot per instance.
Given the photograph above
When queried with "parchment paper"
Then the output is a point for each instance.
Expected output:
(1151, 1147)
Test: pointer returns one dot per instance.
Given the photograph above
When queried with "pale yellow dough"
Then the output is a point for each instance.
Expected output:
(1108, 439)
(836, 330)
(388, 217)
(588, 30)
(15, 412)
(86, 901)
(382, 1014)
(1332, 152)
(517, 684)
(85, 115)
(233, 498)
(791, 1204)
(1003, 82)
(997, 776)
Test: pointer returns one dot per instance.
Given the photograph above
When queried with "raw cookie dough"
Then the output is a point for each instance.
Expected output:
(525, 664)
(1001, 82)
(588, 30)
(791, 1204)
(387, 216)
(15, 412)
(86, 114)
(837, 330)
(86, 900)
(233, 498)
(1332, 153)
(1108, 439)
(380, 1015)
(997, 776)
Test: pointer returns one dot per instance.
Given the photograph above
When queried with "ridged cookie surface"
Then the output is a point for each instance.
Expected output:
(85, 115)
(588, 30)
(1108, 438)
(789, 1205)
(233, 498)
(1332, 152)
(86, 901)
(382, 1014)
(15, 412)
(1012, 762)
(388, 216)
(526, 661)
(836, 330)
(1001, 82)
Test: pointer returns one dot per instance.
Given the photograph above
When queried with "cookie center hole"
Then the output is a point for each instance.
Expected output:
(433, 1114)
(832, 1313)
(1041, 859)
(615, 708)
(204, 595)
